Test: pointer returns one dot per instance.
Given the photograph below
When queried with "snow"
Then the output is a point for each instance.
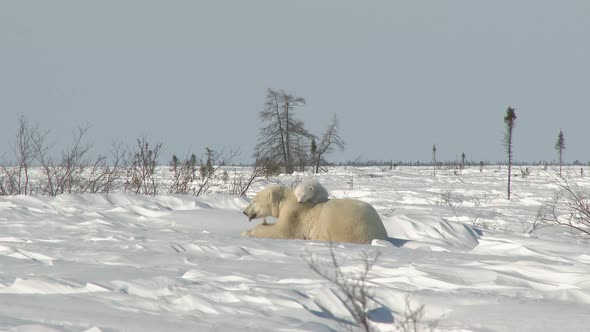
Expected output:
(457, 247)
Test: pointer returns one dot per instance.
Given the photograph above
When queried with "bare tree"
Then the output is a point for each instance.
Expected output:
(330, 140)
(282, 130)
(509, 121)
(142, 171)
(116, 170)
(23, 151)
(240, 183)
(560, 146)
(106, 175)
(71, 167)
(47, 166)
(68, 174)
(300, 153)
(289, 103)
(25, 154)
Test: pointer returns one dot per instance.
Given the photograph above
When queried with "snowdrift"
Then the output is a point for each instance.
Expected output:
(135, 263)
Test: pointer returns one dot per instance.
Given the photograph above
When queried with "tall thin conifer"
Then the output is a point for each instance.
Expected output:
(509, 121)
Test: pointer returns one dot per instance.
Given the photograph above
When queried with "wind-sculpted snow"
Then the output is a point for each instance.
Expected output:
(177, 263)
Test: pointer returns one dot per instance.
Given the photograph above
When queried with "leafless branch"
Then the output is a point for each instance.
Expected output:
(330, 140)
(141, 174)
(354, 292)
(570, 207)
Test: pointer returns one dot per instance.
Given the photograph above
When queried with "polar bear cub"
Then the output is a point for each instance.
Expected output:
(310, 190)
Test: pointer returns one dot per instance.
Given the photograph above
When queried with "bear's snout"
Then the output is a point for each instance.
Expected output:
(248, 214)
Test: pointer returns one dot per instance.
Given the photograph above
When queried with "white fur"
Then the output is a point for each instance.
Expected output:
(338, 220)
(310, 190)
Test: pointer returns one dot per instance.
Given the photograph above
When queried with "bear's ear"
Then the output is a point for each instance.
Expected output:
(275, 196)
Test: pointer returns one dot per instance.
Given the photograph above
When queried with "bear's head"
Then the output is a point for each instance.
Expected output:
(304, 192)
(265, 203)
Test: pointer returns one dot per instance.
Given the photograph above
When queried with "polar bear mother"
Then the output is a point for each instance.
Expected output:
(338, 220)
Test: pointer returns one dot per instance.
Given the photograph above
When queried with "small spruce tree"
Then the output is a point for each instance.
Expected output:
(434, 159)
(560, 146)
(174, 164)
(463, 160)
(314, 149)
(207, 170)
(193, 167)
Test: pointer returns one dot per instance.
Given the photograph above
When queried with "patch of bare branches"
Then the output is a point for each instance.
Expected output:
(106, 176)
(353, 291)
(71, 172)
(570, 207)
(199, 176)
(16, 176)
(540, 221)
(138, 171)
(67, 175)
(209, 169)
(241, 182)
(141, 174)
(184, 174)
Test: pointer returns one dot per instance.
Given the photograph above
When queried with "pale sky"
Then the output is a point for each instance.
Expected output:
(400, 75)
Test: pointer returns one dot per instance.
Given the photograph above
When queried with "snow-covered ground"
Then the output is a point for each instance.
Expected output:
(177, 263)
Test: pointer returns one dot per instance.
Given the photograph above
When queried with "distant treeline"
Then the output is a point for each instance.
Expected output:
(452, 163)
